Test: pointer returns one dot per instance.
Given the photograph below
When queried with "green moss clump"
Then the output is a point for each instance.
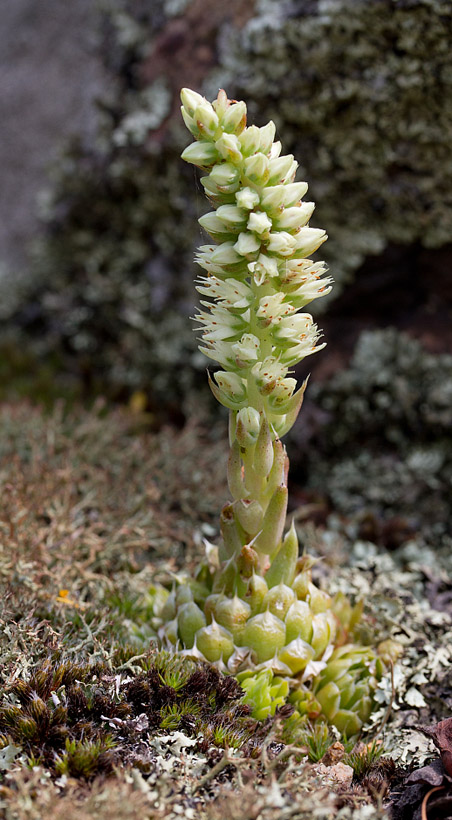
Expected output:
(81, 719)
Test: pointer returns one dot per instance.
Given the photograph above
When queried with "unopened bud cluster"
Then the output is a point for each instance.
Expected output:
(253, 609)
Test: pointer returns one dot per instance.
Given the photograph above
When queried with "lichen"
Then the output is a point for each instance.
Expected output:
(365, 96)
(385, 446)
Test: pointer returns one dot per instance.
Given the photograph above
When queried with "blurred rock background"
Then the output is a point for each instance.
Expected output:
(98, 221)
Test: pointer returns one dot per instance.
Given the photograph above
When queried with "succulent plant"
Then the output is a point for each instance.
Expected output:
(253, 609)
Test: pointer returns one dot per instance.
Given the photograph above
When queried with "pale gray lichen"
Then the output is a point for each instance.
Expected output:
(366, 96)
(363, 89)
(386, 445)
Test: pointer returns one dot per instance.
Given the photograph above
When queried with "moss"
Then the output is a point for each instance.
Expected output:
(80, 719)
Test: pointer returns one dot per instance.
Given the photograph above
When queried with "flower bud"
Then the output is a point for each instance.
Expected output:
(298, 622)
(228, 146)
(264, 634)
(248, 426)
(231, 390)
(293, 218)
(308, 240)
(225, 175)
(247, 244)
(256, 592)
(278, 600)
(282, 243)
(276, 197)
(191, 100)
(259, 222)
(266, 136)
(233, 120)
(206, 120)
(202, 154)
(215, 227)
(190, 123)
(225, 255)
(232, 216)
(189, 619)
(249, 140)
(257, 168)
(279, 169)
(296, 655)
(247, 198)
(215, 642)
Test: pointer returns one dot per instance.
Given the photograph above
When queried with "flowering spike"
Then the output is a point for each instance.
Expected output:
(258, 615)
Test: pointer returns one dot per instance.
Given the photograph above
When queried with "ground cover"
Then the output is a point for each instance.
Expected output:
(96, 510)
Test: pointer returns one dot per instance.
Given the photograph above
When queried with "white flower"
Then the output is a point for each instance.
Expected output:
(268, 373)
(309, 239)
(264, 267)
(220, 324)
(232, 384)
(229, 292)
(246, 350)
(273, 308)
